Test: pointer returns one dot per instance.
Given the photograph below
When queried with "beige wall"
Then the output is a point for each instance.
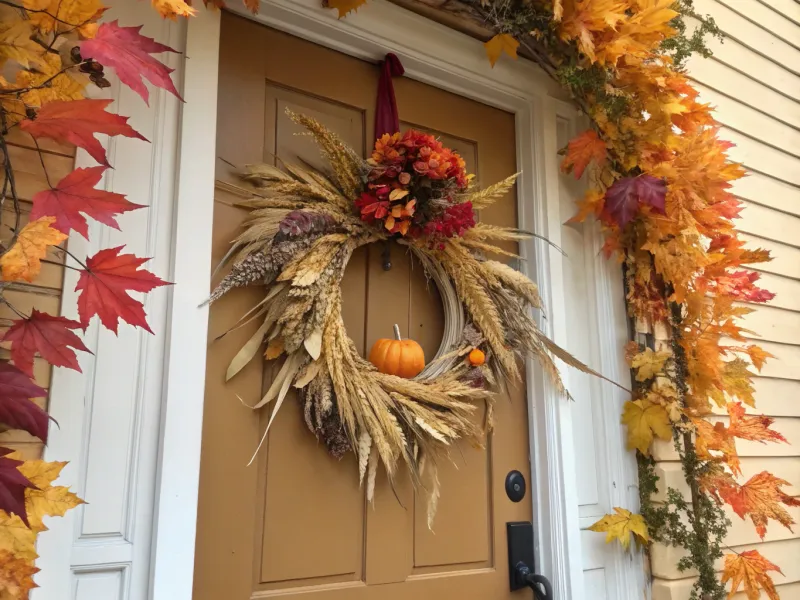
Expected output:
(753, 80)
(45, 293)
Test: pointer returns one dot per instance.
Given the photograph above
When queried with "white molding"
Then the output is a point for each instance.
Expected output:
(184, 382)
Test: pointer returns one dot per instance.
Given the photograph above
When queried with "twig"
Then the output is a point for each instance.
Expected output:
(9, 184)
(41, 160)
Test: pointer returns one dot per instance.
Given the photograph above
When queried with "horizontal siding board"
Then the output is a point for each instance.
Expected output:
(787, 291)
(768, 18)
(785, 365)
(767, 191)
(755, 66)
(760, 157)
(751, 35)
(764, 222)
(788, 8)
(763, 126)
(785, 259)
(681, 589)
(770, 324)
(716, 75)
(785, 552)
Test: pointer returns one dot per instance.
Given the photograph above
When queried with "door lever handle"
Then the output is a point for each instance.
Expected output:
(527, 578)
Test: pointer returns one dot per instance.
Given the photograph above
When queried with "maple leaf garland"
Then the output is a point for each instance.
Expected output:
(128, 53)
(104, 286)
(77, 122)
(76, 194)
(751, 569)
(50, 336)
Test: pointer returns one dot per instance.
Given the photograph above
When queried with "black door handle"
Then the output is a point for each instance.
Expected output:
(541, 586)
(520, 556)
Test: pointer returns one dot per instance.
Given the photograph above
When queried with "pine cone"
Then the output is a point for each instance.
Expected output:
(299, 222)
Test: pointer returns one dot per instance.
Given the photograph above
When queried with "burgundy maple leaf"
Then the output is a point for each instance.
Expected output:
(104, 286)
(17, 411)
(49, 336)
(75, 194)
(627, 195)
(128, 52)
(12, 486)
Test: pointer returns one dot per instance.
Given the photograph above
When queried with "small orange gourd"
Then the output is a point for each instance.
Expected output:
(404, 358)
(477, 357)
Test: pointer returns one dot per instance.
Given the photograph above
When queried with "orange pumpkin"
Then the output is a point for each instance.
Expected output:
(477, 357)
(404, 358)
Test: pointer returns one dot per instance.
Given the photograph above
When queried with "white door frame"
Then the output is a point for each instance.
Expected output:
(431, 53)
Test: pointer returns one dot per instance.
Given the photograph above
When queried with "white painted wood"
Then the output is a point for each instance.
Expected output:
(764, 126)
(767, 191)
(184, 383)
(165, 374)
(761, 158)
(752, 34)
(768, 18)
(728, 80)
(788, 8)
(109, 414)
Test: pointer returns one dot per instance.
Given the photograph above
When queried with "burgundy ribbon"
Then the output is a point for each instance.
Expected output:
(386, 118)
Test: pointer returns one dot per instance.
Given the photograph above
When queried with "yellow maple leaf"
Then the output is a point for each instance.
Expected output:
(502, 42)
(622, 526)
(16, 537)
(61, 16)
(16, 576)
(558, 9)
(23, 260)
(51, 501)
(16, 43)
(39, 472)
(344, 6)
(649, 364)
(645, 419)
(751, 569)
(59, 86)
(171, 9)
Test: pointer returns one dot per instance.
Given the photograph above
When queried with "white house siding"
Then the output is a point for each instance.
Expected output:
(753, 80)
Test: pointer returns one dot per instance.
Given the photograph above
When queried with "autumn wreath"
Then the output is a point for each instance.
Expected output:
(297, 241)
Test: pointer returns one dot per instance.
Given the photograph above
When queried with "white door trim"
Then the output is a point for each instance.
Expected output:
(436, 55)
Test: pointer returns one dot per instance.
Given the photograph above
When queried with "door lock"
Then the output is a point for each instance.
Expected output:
(521, 560)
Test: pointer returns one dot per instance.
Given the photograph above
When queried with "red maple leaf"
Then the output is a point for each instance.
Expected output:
(12, 486)
(761, 498)
(17, 411)
(76, 122)
(75, 194)
(49, 336)
(128, 52)
(104, 286)
(627, 195)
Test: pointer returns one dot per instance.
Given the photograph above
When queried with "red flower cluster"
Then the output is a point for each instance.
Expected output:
(412, 187)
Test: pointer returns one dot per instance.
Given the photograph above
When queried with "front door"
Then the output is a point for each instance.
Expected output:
(296, 521)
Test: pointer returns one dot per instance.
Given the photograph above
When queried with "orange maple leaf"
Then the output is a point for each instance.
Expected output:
(582, 150)
(761, 498)
(755, 428)
(751, 569)
(170, 9)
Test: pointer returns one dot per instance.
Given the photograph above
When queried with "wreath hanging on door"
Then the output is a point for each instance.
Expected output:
(297, 241)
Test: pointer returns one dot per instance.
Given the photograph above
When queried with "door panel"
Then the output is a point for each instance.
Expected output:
(296, 519)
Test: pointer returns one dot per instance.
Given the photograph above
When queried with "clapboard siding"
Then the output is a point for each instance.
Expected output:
(758, 12)
(788, 8)
(753, 81)
(754, 122)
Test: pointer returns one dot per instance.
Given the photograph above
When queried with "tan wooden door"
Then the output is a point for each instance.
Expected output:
(296, 520)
